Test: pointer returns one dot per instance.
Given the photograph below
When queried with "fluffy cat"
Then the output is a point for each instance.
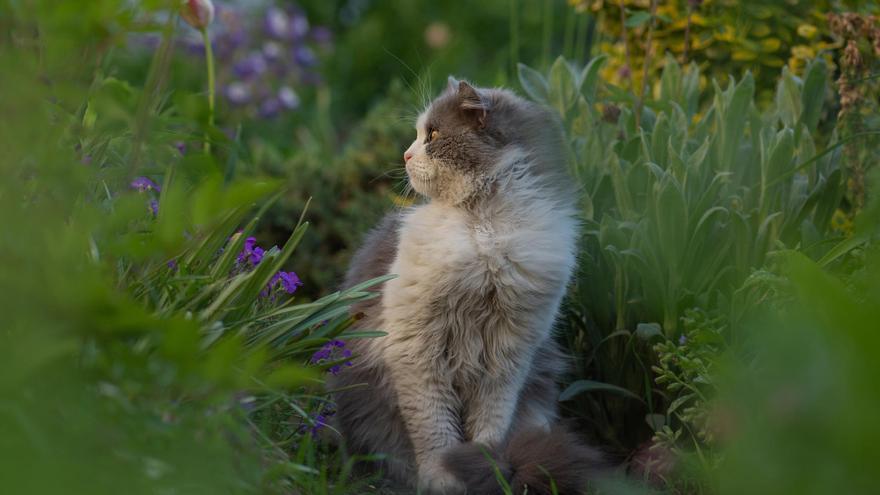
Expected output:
(469, 365)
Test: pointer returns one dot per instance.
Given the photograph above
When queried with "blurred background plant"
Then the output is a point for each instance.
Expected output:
(155, 340)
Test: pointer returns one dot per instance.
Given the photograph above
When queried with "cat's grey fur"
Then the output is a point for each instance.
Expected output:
(469, 365)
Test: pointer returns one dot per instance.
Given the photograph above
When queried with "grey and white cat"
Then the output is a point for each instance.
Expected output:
(469, 363)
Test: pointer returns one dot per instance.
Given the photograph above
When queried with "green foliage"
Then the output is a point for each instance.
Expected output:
(679, 210)
(719, 314)
(799, 395)
(138, 352)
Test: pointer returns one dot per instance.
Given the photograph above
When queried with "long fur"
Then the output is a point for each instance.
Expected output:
(535, 461)
(482, 267)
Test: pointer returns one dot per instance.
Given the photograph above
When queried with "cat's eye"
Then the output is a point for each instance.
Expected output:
(434, 135)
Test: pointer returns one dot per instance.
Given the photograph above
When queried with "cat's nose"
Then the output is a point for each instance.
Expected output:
(407, 155)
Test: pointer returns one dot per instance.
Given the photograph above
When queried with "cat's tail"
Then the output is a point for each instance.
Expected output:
(533, 461)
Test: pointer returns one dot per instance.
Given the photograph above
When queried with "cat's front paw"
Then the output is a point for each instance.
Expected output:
(434, 479)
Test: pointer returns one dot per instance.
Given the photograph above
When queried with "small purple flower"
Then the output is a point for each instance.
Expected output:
(194, 45)
(330, 352)
(272, 50)
(86, 160)
(172, 265)
(154, 206)
(251, 66)
(251, 253)
(288, 98)
(230, 40)
(315, 424)
(237, 93)
(682, 340)
(320, 422)
(304, 56)
(144, 184)
(289, 281)
(299, 26)
(181, 147)
(322, 35)
(270, 108)
(276, 23)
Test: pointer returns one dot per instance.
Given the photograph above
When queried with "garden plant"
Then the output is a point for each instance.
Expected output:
(184, 182)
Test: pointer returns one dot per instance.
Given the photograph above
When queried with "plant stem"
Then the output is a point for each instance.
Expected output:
(209, 61)
(548, 34)
(649, 51)
(514, 37)
(687, 35)
(627, 58)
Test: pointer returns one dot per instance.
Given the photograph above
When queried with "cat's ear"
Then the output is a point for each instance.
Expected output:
(472, 103)
(452, 85)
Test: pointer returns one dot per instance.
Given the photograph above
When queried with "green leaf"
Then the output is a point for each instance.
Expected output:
(290, 375)
(562, 86)
(647, 331)
(733, 119)
(582, 386)
(588, 81)
(637, 19)
(813, 95)
(655, 421)
(533, 83)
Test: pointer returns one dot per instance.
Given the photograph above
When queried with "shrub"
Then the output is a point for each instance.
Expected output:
(682, 210)
(149, 342)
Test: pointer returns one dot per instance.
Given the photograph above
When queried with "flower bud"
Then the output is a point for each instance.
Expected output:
(197, 13)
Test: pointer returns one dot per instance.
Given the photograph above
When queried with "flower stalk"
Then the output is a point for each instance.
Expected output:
(209, 62)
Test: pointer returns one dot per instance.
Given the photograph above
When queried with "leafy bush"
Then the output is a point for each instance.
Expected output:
(722, 36)
(681, 211)
(150, 343)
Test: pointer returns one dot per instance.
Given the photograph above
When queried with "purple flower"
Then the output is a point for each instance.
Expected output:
(143, 184)
(237, 93)
(330, 352)
(682, 340)
(154, 206)
(276, 23)
(230, 40)
(299, 26)
(319, 421)
(172, 265)
(304, 56)
(289, 281)
(251, 253)
(251, 66)
(270, 108)
(272, 50)
(288, 98)
(322, 35)
(181, 147)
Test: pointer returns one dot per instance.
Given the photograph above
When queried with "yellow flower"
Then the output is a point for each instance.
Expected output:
(807, 31)
(698, 20)
(741, 55)
(725, 35)
(802, 52)
(761, 30)
(770, 44)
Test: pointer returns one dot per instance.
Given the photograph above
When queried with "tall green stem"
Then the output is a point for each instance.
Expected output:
(209, 62)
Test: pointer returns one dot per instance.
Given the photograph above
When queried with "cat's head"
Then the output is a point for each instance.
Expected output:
(469, 138)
